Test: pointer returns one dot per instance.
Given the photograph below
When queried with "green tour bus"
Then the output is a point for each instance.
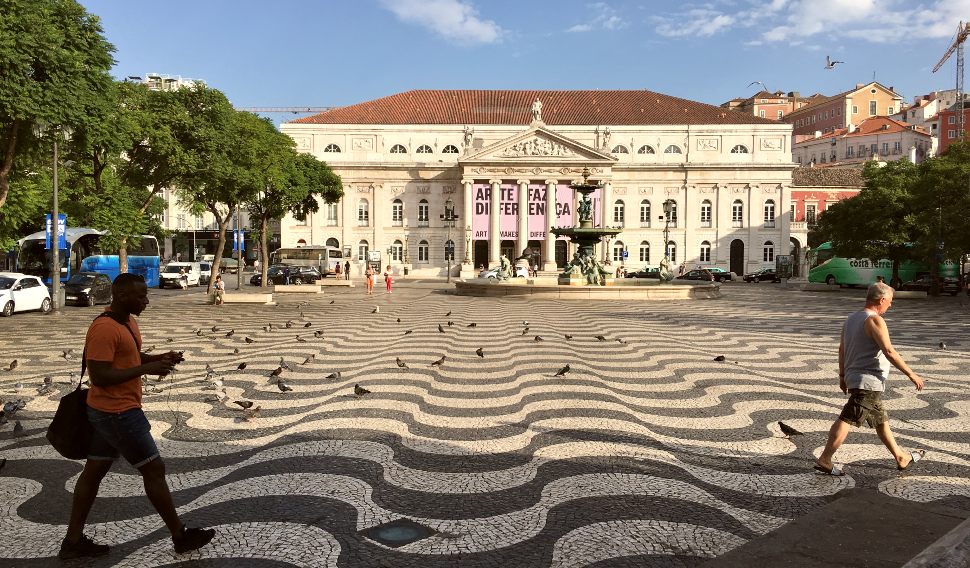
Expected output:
(826, 267)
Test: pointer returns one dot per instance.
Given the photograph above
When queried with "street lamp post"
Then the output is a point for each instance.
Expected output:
(449, 217)
(668, 208)
(468, 241)
(59, 131)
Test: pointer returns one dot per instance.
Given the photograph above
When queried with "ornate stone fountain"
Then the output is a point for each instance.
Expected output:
(584, 269)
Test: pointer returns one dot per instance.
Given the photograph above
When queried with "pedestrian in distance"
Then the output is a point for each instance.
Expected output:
(112, 352)
(336, 270)
(347, 270)
(219, 287)
(369, 276)
(388, 280)
(286, 275)
(865, 354)
(183, 279)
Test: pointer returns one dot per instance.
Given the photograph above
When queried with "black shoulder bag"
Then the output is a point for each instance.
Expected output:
(70, 431)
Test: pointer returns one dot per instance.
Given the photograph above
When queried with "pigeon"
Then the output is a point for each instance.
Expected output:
(307, 324)
(18, 428)
(167, 340)
(376, 310)
(300, 339)
(250, 340)
(241, 366)
(332, 301)
(402, 364)
(568, 337)
(440, 328)
(209, 370)
(250, 413)
(334, 375)
(235, 351)
(480, 352)
(620, 340)
(943, 346)
(215, 329)
(525, 331)
(360, 391)
(830, 63)
(69, 353)
(276, 372)
(318, 333)
(246, 404)
(265, 328)
(288, 324)
(13, 407)
(283, 365)
(283, 386)
(525, 323)
(13, 364)
(408, 332)
(439, 362)
(562, 372)
(472, 324)
(538, 338)
(448, 314)
(47, 387)
(451, 323)
(601, 338)
(788, 430)
(229, 333)
(719, 358)
(308, 359)
(199, 333)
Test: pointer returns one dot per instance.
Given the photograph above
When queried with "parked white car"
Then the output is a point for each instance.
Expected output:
(22, 293)
(170, 274)
(205, 272)
(492, 273)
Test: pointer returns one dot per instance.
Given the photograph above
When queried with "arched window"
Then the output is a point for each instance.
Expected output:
(645, 213)
(619, 149)
(423, 251)
(672, 149)
(672, 251)
(770, 213)
(398, 149)
(737, 213)
(450, 250)
(362, 248)
(332, 242)
(333, 148)
(450, 149)
(619, 212)
(423, 216)
(397, 251)
(768, 253)
(618, 248)
(363, 213)
(644, 251)
(739, 149)
(332, 209)
(397, 213)
(705, 252)
(424, 149)
(645, 149)
(706, 213)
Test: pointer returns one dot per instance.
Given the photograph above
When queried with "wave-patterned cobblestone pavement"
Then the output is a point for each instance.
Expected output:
(647, 452)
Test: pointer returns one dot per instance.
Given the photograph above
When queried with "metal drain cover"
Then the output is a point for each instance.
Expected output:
(398, 533)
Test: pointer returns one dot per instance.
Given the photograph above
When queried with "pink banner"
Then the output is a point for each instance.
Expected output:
(509, 210)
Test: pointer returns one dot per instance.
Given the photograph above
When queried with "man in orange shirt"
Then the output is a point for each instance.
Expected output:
(113, 355)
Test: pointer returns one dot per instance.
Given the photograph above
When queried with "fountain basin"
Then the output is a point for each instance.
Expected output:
(621, 289)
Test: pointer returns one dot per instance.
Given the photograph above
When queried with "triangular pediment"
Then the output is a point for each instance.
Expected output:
(541, 145)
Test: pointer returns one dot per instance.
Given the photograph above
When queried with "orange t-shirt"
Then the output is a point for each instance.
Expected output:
(108, 340)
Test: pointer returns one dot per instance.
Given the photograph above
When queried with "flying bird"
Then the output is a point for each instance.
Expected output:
(440, 328)
(788, 430)
(562, 372)
(480, 352)
(334, 375)
(439, 362)
(830, 63)
(763, 87)
(402, 364)
(199, 333)
(241, 366)
(244, 403)
(235, 351)
(360, 391)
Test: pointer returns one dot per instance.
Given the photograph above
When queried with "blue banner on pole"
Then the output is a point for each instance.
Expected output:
(239, 241)
(61, 231)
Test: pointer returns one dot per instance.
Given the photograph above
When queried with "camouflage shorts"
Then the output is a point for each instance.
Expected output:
(864, 406)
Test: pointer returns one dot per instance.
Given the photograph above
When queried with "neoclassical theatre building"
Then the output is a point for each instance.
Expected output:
(473, 174)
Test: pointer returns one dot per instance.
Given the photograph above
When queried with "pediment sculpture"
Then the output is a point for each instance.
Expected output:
(537, 147)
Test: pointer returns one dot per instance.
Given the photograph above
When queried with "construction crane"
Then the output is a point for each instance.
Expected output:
(963, 31)
(293, 110)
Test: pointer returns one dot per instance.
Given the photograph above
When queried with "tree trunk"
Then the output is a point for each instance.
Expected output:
(223, 225)
(894, 281)
(7, 165)
(263, 251)
(123, 256)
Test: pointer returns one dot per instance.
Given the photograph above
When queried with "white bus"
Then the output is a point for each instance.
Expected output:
(324, 258)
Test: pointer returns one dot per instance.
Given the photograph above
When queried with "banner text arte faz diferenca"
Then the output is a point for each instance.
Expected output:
(509, 209)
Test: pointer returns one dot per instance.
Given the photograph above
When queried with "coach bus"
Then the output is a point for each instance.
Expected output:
(84, 254)
(324, 258)
(827, 267)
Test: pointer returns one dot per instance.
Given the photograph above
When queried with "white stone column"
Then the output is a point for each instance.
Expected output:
(494, 227)
(783, 216)
(549, 258)
(522, 240)
(467, 217)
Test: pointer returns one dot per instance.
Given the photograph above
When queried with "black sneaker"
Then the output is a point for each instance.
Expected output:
(192, 539)
(82, 548)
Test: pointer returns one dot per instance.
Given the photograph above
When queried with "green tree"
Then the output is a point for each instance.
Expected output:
(54, 63)
(305, 181)
(942, 204)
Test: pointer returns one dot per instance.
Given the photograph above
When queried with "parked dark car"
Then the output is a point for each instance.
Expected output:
(924, 283)
(646, 272)
(720, 275)
(763, 275)
(88, 289)
(298, 275)
(702, 275)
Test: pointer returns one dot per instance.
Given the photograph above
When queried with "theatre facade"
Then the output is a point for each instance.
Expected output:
(439, 178)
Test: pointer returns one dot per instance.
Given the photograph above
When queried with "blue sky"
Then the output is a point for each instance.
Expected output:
(335, 53)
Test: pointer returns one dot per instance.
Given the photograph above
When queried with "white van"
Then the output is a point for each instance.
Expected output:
(170, 274)
(205, 269)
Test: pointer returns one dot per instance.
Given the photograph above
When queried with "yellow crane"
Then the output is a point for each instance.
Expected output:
(963, 31)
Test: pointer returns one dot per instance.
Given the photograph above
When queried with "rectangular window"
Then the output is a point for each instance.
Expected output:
(890, 110)
(849, 151)
(855, 109)
(761, 113)
(673, 215)
(362, 251)
(180, 219)
(332, 214)
(872, 108)
(618, 214)
(644, 254)
(737, 215)
(363, 215)
(769, 253)
(810, 215)
(705, 215)
(770, 214)
(705, 255)
(791, 213)
(951, 120)
(397, 214)
(885, 148)
(951, 134)
(897, 147)
(781, 114)
(423, 216)
(198, 223)
(423, 253)
(645, 215)
(873, 149)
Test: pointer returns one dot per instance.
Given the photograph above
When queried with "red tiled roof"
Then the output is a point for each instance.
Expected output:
(872, 125)
(587, 107)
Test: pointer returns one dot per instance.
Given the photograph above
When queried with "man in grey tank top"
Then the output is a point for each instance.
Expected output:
(865, 354)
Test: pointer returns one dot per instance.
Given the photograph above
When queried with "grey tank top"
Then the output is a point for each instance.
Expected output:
(866, 366)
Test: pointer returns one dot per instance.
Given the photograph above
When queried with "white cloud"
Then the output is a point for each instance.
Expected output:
(455, 20)
(604, 16)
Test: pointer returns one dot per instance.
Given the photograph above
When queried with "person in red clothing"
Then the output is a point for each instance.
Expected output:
(112, 352)
(388, 280)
